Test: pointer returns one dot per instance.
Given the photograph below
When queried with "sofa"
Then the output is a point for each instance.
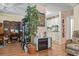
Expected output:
(72, 45)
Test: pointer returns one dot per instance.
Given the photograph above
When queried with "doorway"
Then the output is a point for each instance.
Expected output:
(53, 26)
(70, 27)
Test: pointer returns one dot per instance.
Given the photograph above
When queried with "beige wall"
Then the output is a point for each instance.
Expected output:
(9, 17)
(41, 30)
(76, 17)
(64, 15)
(41, 8)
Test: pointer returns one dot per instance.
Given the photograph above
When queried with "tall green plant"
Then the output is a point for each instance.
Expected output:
(32, 16)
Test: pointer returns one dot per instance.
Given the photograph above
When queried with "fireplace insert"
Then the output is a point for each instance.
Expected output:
(42, 44)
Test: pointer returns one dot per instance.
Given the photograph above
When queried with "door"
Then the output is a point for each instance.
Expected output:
(70, 26)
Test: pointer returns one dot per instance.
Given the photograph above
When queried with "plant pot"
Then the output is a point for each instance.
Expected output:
(31, 49)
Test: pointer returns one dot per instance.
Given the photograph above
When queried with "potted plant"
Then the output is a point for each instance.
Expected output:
(32, 16)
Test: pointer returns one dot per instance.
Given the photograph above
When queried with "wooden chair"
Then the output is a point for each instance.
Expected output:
(13, 37)
(6, 39)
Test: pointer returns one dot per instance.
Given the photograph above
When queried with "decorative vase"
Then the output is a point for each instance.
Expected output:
(25, 48)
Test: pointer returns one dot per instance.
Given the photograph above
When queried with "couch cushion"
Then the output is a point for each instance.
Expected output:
(73, 46)
(75, 40)
(76, 33)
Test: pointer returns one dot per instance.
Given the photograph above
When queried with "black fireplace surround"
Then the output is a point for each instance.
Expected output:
(42, 44)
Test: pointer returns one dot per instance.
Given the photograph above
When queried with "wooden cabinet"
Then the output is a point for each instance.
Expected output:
(11, 28)
(6, 27)
(14, 30)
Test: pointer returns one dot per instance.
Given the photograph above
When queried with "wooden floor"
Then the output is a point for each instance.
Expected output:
(16, 50)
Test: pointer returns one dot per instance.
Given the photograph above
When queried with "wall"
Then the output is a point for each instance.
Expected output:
(55, 35)
(76, 17)
(41, 8)
(53, 21)
(41, 29)
(9, 17)
(50, 23)
(64, 15)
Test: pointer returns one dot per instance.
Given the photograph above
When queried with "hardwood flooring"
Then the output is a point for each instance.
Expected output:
(16, 50)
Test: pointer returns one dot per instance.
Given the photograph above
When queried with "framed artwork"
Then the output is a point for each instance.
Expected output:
(42, 19)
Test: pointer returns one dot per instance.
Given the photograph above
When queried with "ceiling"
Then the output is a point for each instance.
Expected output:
(14, 8)
(52, 9)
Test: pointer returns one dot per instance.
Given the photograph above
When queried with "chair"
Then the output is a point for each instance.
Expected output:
(6, 39)
(72, 46)
(13, 37)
